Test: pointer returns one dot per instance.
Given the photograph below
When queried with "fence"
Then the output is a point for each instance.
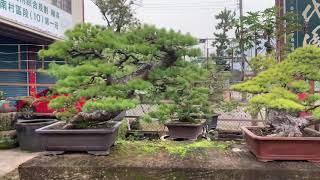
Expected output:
(232, 121)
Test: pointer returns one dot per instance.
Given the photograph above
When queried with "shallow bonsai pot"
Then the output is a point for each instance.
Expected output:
(185, 131)
(94, 141)
(28, 139)
(282, 148)
(212, 121)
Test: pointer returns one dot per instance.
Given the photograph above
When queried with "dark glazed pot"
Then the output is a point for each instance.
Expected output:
(28, 139)
(93, 141)
(212, 121)
(185, 131)
(282, 148)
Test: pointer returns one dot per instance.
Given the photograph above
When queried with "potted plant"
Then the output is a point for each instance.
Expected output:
(218, 82)
(107, 71)
(8, 136)
(286, 135)
(183, 102)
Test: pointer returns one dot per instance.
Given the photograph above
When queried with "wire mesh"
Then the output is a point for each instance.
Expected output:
(232, 121)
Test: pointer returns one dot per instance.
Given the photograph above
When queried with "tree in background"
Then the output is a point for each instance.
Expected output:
(221, 41)
(260, 29)
(109, 69)
(118, 14)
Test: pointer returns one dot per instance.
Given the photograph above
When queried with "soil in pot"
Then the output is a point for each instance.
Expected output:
(267, 131)
(28, 139)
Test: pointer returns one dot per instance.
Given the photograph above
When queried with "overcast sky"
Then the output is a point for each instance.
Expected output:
(193, 16)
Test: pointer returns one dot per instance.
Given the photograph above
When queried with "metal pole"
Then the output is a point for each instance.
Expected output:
(207, 53)
(19, 56)
(241, 41)
(42, 60)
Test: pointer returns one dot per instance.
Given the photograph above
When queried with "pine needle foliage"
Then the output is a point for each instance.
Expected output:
(187, 98)
(111, 70)
(276, 88)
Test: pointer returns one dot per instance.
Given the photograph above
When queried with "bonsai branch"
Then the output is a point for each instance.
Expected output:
(98, 116)
(126, 58)
(94, 53)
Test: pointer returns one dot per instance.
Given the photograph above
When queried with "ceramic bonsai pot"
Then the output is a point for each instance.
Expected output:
(282, 148)
(212, 121)
(28, 139)
(94, 141)
(185, 131)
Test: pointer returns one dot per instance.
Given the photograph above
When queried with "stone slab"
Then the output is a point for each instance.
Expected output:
(11, 159)
(215, 164)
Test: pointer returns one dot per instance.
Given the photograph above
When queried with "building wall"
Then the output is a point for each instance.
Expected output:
(77, 17)
(20, 68)
(19, 62)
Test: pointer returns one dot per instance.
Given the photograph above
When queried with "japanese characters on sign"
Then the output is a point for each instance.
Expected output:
(309, 13)
(38, 15)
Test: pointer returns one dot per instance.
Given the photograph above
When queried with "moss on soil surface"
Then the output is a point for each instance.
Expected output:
(181, 149)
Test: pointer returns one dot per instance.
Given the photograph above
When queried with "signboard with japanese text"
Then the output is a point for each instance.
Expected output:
(38, 15)
(309, 15)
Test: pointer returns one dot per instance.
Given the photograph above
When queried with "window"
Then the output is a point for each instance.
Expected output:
(65, 5)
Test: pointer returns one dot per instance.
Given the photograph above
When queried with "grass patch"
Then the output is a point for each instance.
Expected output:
(181, 149)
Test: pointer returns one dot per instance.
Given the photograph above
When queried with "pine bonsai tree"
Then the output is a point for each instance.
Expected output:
(221, 43)
(181, 92)
(110, 69)
(275, 90)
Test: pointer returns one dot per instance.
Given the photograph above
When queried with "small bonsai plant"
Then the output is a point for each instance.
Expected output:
(275, 92)
(178, 93)
(182, 97)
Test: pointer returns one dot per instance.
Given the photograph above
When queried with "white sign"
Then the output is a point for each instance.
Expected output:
(38, 15)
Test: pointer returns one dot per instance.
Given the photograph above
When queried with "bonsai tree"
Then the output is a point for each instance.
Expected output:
(221, 41)
(108, 70)
(180, 92)
(275, 91)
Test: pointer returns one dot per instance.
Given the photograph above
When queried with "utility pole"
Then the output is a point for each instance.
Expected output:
(241, 41)
(206, 49)
(207, 53)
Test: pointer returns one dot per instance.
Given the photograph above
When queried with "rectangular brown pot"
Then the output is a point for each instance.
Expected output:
(93, 141)
(185, 131)
(28, 139)
(282, 148)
